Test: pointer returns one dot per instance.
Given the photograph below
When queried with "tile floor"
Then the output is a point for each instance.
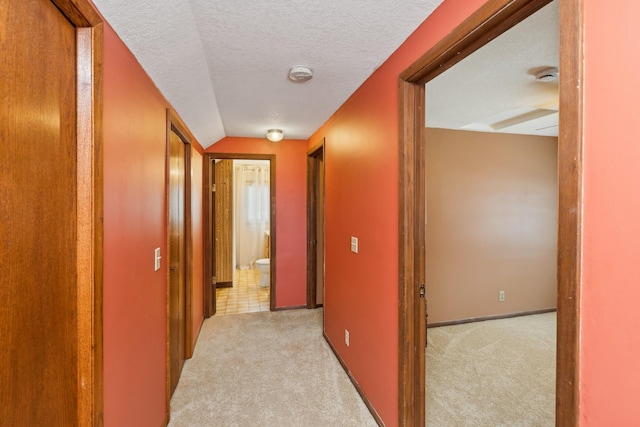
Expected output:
(246, 295)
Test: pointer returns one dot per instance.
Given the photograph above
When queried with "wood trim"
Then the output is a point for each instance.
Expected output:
(570, 206)
(289, 307)
(167, 251)
(272, 221)
(316, 147)
(209, 303)
(311, 229)
(411, 258)
(98, 224)
(363, 396)
(90, 202)
(188, 254)
(85, 218)
(224, 284)
(80, 13)
(491, 20)
(492, 317)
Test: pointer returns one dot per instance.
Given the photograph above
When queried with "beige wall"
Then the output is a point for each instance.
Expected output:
(491, 223)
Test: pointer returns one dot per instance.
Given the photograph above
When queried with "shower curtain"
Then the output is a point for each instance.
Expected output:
(251, 213)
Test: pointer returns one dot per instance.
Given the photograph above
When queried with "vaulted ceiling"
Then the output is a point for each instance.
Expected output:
(223, 64)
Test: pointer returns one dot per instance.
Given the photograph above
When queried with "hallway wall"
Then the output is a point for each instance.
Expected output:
(362, 200)
(291, 211)
(361, 155)
(609, 374)
(135, 304)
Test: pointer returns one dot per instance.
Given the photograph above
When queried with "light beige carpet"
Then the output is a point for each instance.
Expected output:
(492, 373)
(266, 369)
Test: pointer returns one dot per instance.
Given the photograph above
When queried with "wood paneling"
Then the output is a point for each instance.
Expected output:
(223, 222)
(50, 214)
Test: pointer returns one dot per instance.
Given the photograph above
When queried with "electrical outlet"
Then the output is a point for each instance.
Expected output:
(354, 245)
(346, 337)
(501, 296)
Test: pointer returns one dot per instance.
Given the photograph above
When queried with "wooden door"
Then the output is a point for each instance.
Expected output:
(315, 231)
(223, 223)
(43, 278)
(177, 272)
(320, 231)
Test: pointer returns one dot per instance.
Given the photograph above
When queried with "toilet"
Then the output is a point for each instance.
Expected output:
(264, 265)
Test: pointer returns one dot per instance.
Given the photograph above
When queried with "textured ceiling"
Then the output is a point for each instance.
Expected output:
(494, 89)
(223, 64)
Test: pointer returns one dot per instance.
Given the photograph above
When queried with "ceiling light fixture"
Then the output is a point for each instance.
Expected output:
(547, 75)
(300, 73)
(275, 135)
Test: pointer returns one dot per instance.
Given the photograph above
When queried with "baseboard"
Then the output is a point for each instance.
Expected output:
(493, 317)
(290, 307)
(370, 407)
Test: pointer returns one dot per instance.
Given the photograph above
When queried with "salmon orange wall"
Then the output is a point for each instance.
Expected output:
(291, 211)
(135, 315)
(609, 370)
(135, 304)
(361, 164)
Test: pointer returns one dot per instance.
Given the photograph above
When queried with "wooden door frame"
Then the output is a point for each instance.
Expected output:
(491, 20)
(209, 290)
(90, 199)
(174, 124)
(312, 223)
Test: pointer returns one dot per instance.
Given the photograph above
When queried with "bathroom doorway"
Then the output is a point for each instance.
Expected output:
(239, 233)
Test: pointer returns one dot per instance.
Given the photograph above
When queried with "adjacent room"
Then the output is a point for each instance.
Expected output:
(492, 208)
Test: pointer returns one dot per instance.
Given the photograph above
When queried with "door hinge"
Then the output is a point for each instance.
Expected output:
(213, 188)
(422, 290)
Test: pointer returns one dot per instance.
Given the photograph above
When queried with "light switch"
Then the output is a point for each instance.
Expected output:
(354, 245)
(157, 259)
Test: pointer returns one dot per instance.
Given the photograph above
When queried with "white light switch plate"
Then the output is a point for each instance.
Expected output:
(354, 244)
(157, 257)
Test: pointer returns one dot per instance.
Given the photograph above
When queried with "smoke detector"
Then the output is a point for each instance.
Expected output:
(300, 73)
(547, 75)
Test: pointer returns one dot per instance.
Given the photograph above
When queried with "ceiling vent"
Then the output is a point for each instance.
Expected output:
(300, 73)
(547, 75)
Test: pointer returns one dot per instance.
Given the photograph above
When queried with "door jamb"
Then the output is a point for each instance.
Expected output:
(209, 290)
(491, 20)
(312, 223)
(90, 199)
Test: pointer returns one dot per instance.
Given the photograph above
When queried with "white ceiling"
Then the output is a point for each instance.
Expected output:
(223, 64)
(494, 89)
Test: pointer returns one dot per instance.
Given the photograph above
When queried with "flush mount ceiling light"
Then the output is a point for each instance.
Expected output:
(547, 75)
(300, 73)
(275, 135)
